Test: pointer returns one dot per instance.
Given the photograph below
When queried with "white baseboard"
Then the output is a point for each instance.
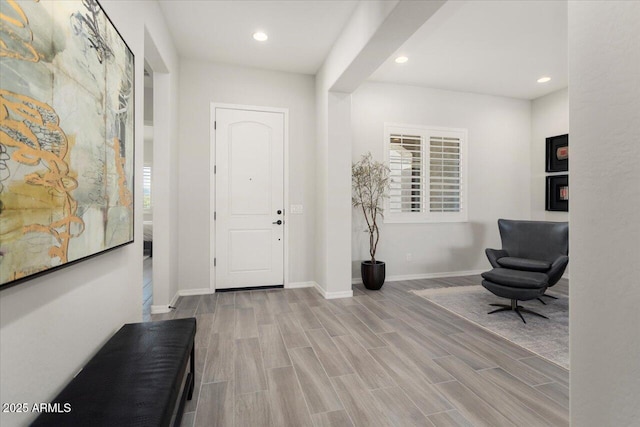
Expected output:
(159, 309)
(332, 295)
(192, 292)
(325, 294)
(398, 278)
(342, 294)
(296, 285)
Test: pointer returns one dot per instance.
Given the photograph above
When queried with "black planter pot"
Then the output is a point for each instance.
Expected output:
(373, 274)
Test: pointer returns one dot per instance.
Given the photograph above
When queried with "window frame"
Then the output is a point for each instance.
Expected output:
(425, 132)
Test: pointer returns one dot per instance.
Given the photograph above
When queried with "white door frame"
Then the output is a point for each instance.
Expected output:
(212, 188)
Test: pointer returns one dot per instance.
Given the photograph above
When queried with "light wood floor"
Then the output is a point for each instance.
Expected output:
(381, 358)
(147, 288)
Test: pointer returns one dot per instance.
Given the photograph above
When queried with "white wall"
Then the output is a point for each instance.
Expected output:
(332, 149)
(498, 168)
(604, 71)
(202, 83)
(549, 117)
(148, 105)
(50, 326)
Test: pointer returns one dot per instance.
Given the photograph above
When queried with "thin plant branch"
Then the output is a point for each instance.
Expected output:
(370, 181)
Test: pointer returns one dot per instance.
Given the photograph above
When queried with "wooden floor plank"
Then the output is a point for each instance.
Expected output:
(253, 409)
(216, 405)
(547, 408)
(243, 299)
(329, 321)
(411, 355)
(207, 304)
(278, 302)
(360, 331)
(556, 392)
(226, 298)
(404, 373)
(372, 374)
(372, 321)
(262, 310)
(288, 407)
(188, 303)
(249, 368)
(472, 407)
(291, 331)
(373, 307)
(516, 368)
(430, 348)
(274, 352)
(314, 381)
(220, 358)
(400, 410)
(331, 358)
(305, 316)
(449, 419)
(224, 319)
(204, 325)
(509, 348)
(500, 399)
(359, 403)
(550, 369)
(246, 326)
(188, 419)
(332, 419)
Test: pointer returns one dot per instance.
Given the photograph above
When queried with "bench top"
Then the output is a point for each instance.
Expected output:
(133, 380)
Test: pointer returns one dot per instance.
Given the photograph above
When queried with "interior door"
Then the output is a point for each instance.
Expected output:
(249, 194)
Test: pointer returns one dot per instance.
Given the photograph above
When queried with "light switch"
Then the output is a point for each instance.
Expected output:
(296, 209)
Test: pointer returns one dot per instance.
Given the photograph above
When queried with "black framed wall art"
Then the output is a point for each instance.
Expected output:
(66, 136)
(557, 153)
(557, 193)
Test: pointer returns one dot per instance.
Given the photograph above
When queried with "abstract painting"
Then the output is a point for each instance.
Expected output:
(66, 136)
(557, 153)
(557, 193)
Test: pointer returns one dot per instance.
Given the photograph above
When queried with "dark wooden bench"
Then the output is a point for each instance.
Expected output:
(136, 379)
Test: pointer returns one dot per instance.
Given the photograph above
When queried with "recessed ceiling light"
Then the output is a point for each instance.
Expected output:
(401, 59)
(260, 36)
(544, 79)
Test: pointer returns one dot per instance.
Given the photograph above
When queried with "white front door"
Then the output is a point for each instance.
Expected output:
(249, 218)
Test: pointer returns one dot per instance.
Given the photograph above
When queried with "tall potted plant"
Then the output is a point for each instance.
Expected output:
(370, 180)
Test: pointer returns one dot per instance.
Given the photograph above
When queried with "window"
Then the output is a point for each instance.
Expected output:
(146, 188)
(428, 174)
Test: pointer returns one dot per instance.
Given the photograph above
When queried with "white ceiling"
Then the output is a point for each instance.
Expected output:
(490, 47)
(301, 32)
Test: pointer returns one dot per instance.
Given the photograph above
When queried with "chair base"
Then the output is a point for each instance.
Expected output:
(515, 307)
(548, 296)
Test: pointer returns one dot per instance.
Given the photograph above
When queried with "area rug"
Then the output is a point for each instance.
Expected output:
(547, 338)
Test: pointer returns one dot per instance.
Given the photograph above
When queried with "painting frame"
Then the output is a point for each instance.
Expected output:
(557, 193)
(557, 153)
(94, 30)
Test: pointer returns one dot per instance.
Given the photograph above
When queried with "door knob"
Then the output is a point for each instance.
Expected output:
(279, 222)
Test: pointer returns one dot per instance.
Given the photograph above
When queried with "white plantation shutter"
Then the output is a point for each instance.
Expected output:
(444, 174)
(427, 174)
(406, 181)
(146, 187)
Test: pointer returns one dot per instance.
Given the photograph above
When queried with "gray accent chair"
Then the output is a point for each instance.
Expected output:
(533, 257)
(539, 246)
